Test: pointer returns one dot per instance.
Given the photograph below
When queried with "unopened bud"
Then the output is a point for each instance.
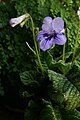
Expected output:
(15, 21)
(78, 12)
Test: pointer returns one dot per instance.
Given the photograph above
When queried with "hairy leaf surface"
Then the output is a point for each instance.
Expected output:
(63, 85)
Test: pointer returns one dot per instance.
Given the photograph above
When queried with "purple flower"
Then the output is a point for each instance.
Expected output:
(51, 33)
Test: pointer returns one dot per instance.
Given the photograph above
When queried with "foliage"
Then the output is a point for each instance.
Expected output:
(51, 93)
(67, 89)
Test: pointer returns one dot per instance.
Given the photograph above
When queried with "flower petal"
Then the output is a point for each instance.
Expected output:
(40, 35)
(45, 44)
(47, 24)
(58, 24)
(60, 39)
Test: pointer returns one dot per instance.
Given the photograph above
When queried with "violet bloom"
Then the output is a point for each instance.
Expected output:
(51, 33)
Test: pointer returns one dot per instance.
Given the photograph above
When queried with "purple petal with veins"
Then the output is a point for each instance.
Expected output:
(47, 24)
(58, 24)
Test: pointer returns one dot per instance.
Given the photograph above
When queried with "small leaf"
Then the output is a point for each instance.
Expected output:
(60, 65)
(42, 2)
(77, 53)
(50, 113)
(68, 54)
(55, 96)
(63, 67)
(49, 60)
(27, 77)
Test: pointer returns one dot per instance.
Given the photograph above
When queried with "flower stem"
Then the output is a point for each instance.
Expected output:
(63, 53)
(30, 48)
(37, 53)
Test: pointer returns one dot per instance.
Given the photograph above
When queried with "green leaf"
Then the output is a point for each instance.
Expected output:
(74, 75)
(50, 113)
(70, 114)
(63, 67)
(55, 96)
(32, 112)
(77, 53)
(60, 65)
(63, 85)
(68, 54)
(27, 77)
(43, 7)
(49, 60)
(42, 2)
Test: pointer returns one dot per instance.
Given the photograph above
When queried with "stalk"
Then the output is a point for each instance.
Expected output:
(36, 48)
(63, 53)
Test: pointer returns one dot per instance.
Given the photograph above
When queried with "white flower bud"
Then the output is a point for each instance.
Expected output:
(78, 12)
(15, 21)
